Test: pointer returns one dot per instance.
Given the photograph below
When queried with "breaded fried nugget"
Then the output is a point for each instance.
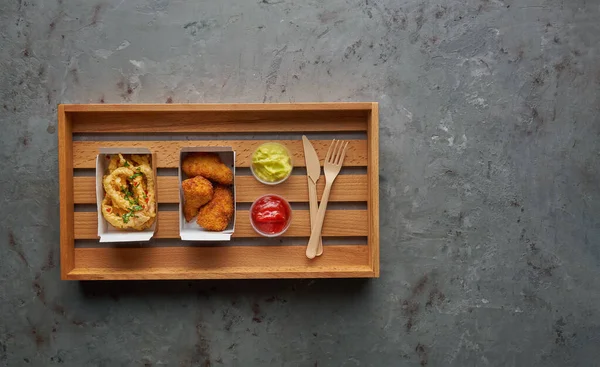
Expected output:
(216, 215)
(207, 165)
(197, 191)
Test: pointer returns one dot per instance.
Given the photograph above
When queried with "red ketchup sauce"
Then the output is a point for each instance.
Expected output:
(270, 214)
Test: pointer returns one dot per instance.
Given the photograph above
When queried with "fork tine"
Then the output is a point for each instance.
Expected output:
(336, 152)
(342, 154)
(329, 151)
(333, 148)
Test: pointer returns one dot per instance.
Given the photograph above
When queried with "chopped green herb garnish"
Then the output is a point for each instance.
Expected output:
(137, 208)
(133, 201)
(126, 164)
(129, 197)
(135, 175)
(126, 217)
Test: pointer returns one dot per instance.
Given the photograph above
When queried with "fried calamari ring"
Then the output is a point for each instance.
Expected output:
(149, 191)
(113, 185)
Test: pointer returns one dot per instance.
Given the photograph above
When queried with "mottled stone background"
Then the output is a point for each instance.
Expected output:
(489, 180)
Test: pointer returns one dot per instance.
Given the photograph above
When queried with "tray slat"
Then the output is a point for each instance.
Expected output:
(215, 262)
(347, 188)
(338, 223)
(167, 152)
(219, 121)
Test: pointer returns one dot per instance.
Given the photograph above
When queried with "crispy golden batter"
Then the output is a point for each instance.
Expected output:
(216, 215)
(150, 192)
(115, 216)
(207, 165)
(197, 191)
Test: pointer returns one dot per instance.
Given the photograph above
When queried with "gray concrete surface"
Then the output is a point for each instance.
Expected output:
(489, 180)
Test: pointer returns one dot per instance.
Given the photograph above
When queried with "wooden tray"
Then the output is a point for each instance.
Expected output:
(351, 230)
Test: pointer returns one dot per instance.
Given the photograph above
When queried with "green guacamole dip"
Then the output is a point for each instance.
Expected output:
(271, 162)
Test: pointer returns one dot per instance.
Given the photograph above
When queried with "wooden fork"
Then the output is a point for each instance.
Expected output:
(331, 167)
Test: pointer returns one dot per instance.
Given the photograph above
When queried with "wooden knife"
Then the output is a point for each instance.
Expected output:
(313, 172)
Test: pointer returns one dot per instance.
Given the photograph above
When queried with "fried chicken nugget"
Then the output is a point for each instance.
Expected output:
(207, 165)
(197, 191)
(216, 215)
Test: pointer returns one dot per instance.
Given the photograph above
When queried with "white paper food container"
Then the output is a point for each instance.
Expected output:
(107, 232)
(192, 231)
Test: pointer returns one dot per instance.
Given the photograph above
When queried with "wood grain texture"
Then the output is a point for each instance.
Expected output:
(220, 121)
(65, 174)
(339, 223)
(347, 188)
(85, 152)
(373, 203)
(229, 262)
(217, 107)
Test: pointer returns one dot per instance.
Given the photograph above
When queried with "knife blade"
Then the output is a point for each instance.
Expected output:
(313, 165)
